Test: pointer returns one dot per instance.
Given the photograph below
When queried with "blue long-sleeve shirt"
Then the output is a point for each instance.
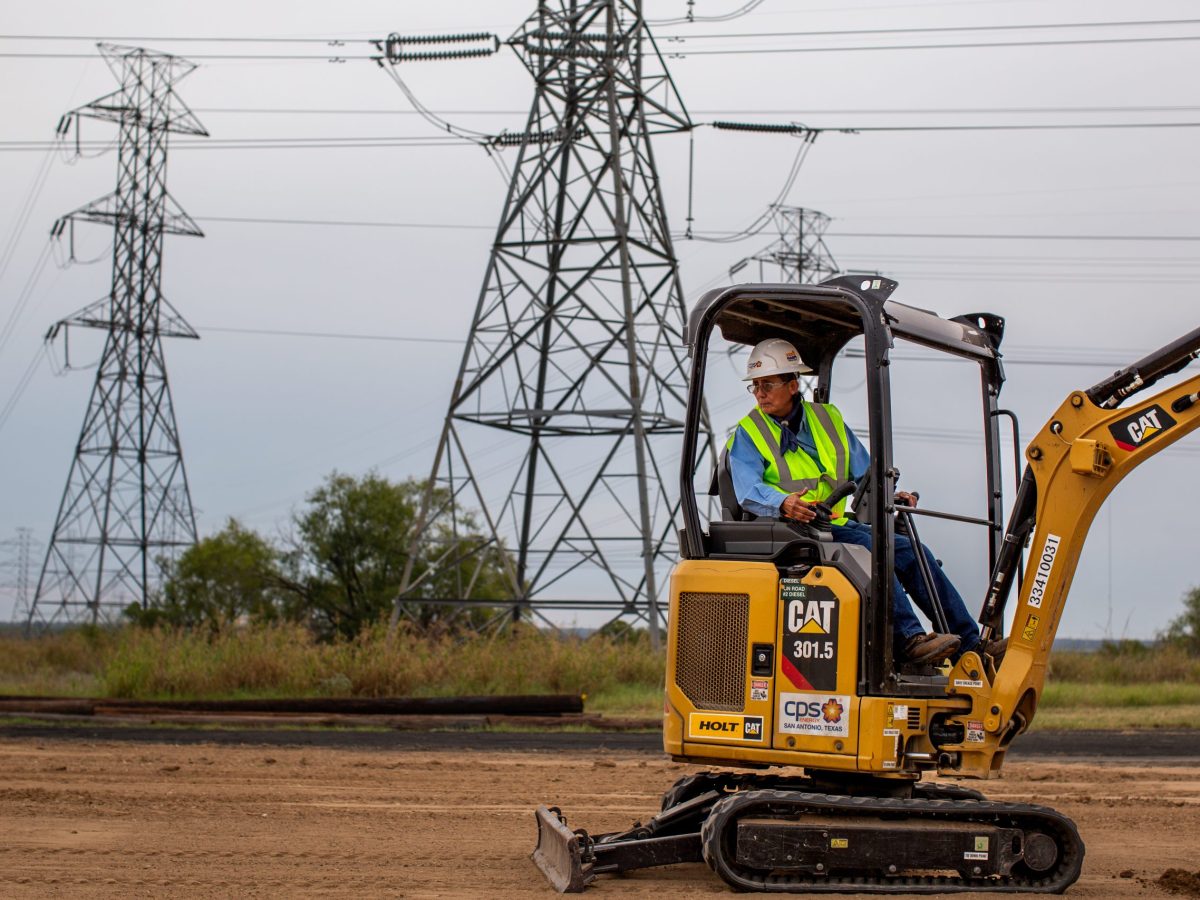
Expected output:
(746, 466)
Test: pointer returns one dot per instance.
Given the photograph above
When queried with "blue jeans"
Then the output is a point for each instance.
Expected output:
(908, 574)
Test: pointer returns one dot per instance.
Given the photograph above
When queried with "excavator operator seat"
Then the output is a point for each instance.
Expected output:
(722, 488)
(739, 534)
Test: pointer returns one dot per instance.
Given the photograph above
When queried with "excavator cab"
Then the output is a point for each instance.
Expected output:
(851, 321)
(781, 669)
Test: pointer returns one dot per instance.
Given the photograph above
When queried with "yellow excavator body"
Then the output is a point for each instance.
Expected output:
(780, 664)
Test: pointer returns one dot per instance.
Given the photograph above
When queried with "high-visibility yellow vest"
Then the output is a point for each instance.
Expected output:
(796, 471)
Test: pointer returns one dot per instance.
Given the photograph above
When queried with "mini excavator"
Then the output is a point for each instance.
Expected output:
(780, 666)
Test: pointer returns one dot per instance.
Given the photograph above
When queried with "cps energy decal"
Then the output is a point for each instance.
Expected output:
(1140, 427)
(822, 715)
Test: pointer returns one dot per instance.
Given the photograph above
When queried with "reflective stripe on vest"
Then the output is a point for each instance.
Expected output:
(796, 471)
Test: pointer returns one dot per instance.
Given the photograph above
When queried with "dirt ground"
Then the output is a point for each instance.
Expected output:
(122, 820)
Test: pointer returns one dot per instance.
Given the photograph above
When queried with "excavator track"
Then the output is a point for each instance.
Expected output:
(782, 833)
(793, 841)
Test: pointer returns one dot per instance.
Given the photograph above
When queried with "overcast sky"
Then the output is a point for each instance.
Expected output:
(1085, 239)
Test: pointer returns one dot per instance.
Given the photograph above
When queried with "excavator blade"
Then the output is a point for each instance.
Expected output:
(559, 854)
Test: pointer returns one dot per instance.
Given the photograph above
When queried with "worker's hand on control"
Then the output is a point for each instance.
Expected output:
(795, 508)
(904, 498)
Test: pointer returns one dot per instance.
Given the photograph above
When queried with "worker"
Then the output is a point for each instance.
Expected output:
(819, 451)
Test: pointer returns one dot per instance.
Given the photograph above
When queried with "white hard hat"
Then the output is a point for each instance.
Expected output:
(774, 356)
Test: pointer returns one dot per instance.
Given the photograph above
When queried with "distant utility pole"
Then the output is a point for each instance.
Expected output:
(126, 504)
(16, 560)
(799, 255)
(24, 558)
(562, 437)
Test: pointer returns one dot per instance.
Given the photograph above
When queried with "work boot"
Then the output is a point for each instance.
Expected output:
(930, 648)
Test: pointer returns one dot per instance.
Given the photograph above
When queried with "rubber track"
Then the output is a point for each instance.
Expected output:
(728, 810)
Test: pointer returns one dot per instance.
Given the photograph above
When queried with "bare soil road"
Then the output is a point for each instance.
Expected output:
(105, 819)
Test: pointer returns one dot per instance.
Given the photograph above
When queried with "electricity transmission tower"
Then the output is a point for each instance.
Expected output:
(799, 255)
(17, 552)
(126, 503)
(564, 423)
(24, 553)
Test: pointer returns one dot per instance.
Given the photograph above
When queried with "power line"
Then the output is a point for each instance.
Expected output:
(1015, 355)
(344, 41)
(258, 111)
(22, 383)
(14, 315)
(973, 45)
(187, 39)
(362, 223)
(302, 143)
(963, 436)
(230, 110)
(275, 332)
(35, 191)
(293, 57)
(673, 54)
(1026, 356)
(1014, 237)
(346, 223)
(1037, 278)
(1024, 259)
(943, 29)
(743, 10)
(396, 141)
(1061, 126)
(368, 143)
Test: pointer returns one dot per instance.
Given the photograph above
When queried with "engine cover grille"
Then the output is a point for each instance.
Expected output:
(710, 649)
(914, 718)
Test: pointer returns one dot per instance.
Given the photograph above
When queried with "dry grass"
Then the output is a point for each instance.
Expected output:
(285, 660)
(65, 664)
(1130, 689)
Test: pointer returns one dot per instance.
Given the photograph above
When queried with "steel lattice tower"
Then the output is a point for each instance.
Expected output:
(565, 418)
(799, 256)
(126, 503)
(24, 552)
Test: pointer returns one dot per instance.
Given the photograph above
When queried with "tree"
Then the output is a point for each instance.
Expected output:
(1184, 630)
(228, 576)
(348, 556)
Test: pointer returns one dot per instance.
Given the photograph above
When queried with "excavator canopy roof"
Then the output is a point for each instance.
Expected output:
(820, 319)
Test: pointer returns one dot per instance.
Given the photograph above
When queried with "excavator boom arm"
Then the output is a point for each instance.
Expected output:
(1082, 453)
